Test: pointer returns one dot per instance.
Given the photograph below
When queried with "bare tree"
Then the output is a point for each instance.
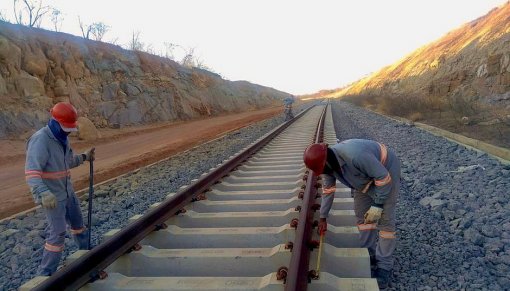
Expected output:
(189, 58)
(170, 49)
(114, 41)
(3, 17)
(56, 19)
(33, 9)
(99, 29)
(136, 43)
(85, 29)
(150, 49)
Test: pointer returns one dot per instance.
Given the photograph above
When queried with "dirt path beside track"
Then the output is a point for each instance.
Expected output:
(119, 153)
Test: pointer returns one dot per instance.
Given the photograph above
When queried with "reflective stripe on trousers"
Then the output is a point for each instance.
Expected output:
(384, 247)
(66, 213)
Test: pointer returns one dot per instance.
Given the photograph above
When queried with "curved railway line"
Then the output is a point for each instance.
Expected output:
(248, 224)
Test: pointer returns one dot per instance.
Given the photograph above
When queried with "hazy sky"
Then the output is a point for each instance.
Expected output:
(292, 45)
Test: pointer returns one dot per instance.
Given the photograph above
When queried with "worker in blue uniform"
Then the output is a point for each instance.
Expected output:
(47, 172)
(372, 171)
(287, 102)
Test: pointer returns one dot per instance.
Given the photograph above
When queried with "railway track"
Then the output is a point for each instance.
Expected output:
(248, 224)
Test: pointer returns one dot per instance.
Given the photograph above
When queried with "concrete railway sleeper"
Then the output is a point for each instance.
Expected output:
(248, 224)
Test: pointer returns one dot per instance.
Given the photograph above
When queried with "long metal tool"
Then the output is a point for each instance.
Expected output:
(318, 269)
(91, 196)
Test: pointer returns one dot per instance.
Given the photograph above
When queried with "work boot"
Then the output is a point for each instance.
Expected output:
(383, 278)
(82, 240)
(49, 263)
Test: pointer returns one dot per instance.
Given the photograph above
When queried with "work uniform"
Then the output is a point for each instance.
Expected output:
(372, 171)
(47, 168)
(288, 108)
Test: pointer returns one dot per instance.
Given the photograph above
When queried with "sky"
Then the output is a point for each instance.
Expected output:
(296, 46)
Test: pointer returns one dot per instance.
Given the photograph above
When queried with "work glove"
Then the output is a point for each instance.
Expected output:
(89, 155)
(48, 200)
(323, 226)
(373, 214)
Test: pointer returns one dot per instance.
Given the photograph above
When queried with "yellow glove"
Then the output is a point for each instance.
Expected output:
(48, 200)
(373, 214)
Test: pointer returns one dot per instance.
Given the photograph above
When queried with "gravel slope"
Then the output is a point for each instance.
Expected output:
(115, 203)
(453, 216)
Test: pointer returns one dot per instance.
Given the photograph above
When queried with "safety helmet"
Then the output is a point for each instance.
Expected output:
(315, 157)
(66, 115)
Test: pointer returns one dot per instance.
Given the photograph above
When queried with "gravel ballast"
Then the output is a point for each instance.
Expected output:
(453, 216)
(22, 238)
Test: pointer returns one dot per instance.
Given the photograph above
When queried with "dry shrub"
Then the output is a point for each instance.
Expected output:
(402, 105)
(464, 106)
(363, 100)
(416, 116)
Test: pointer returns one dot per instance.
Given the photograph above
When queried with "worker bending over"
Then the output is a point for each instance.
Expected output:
(372, 171)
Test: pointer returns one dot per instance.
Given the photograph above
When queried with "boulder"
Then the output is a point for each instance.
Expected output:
(29, 86)
(73, 69)
(87, 130)
(61, 88)
(35, 65)
(10, 53)
(110, 91)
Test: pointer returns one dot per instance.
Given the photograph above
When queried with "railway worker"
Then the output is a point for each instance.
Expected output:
(47, 172)
(287, 102)
(372, 171)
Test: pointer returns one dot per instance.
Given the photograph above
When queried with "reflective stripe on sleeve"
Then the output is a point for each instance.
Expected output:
(47, 175)
(367, 226)
(387, 234)
(386, 180)
(384, 153)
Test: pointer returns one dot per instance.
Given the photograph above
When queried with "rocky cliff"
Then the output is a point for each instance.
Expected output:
(109, 85)
(471, 63)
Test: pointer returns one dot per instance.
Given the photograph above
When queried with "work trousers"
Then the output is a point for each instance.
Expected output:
(66, 212)
(380, 238)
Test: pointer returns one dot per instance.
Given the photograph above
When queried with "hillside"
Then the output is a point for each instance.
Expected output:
(461, 81)
(109, 85)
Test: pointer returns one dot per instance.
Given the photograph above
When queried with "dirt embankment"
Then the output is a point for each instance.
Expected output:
(119, 152)
(460, 82)
(109, 85)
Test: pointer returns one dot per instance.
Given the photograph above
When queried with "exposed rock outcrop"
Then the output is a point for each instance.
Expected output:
(471, 62)
(109, 85)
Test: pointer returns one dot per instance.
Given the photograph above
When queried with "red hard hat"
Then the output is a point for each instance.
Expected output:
(66, 115)
(315, 157)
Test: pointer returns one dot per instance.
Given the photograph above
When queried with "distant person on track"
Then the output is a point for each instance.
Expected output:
(372, 171)
(287, 110)
(47, 172)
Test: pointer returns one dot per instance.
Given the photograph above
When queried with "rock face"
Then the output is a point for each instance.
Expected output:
(108, 85)
(87, 130)
(472, 62)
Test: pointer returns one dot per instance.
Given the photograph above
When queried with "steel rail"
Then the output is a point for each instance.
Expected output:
(88, 267)
(298, 276)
